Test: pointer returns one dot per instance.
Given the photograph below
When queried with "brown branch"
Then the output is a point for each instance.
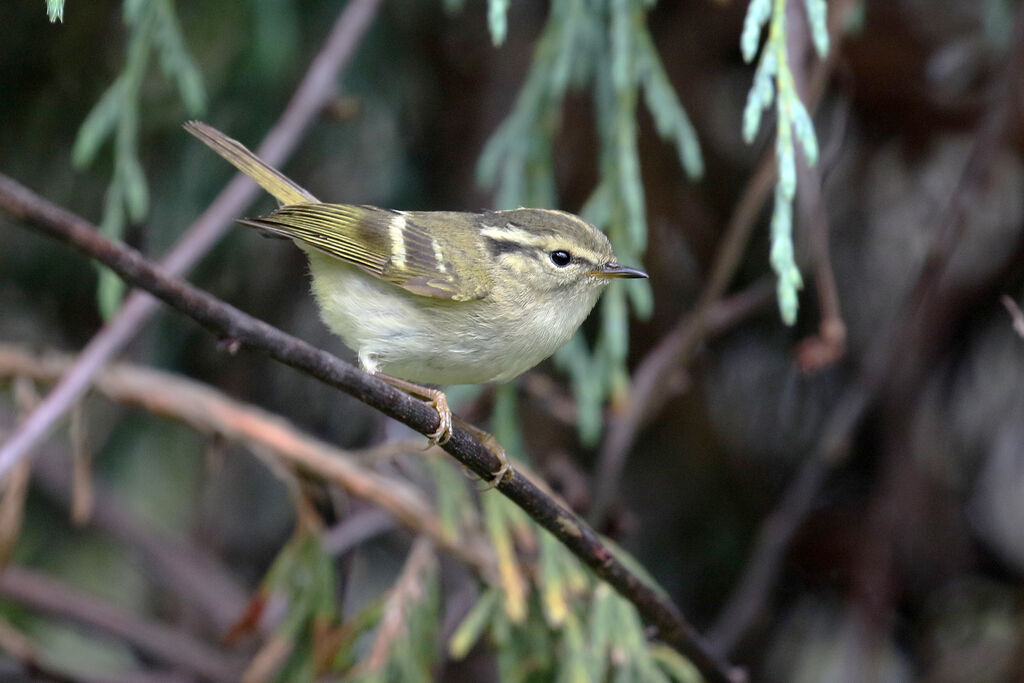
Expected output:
(211, 412)
(155, 640)
(316, 89)
(257, 335)
(658, 371)
(828, 346)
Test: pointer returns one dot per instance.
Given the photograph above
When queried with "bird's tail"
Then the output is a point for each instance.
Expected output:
(269, 178)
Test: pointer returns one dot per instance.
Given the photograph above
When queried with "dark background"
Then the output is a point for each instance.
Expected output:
(906, 557)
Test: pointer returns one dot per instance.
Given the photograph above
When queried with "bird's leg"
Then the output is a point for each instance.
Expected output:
(435, 398)
(491, 444)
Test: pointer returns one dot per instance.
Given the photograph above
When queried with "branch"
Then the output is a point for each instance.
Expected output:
(829, 344)
(211, 412)
(156, 640)
(228, 321)
(316, 89)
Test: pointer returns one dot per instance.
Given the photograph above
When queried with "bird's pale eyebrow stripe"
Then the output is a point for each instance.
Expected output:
(511, 238)
(512, 233)
(396, 232)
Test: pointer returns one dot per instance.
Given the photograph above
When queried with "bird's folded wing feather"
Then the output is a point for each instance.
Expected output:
(387, 244)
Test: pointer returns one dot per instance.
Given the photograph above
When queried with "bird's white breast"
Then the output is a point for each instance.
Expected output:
(435, 341)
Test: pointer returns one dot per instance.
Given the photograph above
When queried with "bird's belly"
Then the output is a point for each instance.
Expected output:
(426, 340)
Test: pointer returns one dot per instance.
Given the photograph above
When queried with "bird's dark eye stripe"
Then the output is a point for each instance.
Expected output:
(560, 257)
(499, 247)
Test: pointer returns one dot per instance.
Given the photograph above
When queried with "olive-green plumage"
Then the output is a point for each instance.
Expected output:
(438, 297)
(389, 245)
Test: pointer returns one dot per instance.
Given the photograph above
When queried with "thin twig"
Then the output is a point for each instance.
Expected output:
(12, 508)
(357, 529)
(155, 640)
(829, 344)
(652, 382)
(408, 590)
(211, 412)
(15, 485)
(82, 493)
(269, 659)
(550, 398)
(653, 606)
(1016, 315)
(317, 88)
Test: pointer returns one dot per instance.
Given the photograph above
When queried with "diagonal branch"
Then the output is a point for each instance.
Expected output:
(315, 90)
(210, 412)
(214, 314)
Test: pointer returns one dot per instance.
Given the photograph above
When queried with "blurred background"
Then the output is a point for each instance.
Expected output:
(837, 500)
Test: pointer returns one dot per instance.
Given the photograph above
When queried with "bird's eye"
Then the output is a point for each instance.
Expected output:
(560, 257)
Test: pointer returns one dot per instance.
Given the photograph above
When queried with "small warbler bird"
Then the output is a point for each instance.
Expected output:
(438, 297)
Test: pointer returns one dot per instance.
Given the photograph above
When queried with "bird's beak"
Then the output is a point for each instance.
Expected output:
(613, 269)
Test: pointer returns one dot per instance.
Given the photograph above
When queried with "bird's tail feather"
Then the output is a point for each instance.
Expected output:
(269, 178)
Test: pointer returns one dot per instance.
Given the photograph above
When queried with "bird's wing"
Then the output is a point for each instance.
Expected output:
(391, 245)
